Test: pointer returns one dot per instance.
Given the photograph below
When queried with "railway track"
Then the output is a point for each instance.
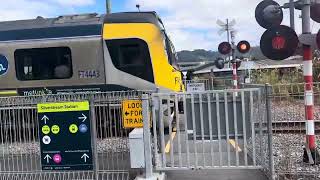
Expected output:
(292, 127)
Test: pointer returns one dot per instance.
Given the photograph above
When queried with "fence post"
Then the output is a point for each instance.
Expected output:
(147, 136)
(94, 135)
(268, 94)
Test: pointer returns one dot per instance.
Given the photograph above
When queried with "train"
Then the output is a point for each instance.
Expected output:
(87, 53)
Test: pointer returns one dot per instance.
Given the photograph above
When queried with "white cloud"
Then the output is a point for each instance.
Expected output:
(192, 23)
(23, 9)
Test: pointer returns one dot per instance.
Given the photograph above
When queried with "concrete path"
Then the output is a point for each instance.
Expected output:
(216, 175)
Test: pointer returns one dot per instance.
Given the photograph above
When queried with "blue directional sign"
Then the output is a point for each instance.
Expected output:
(65, 136)
(4, 65)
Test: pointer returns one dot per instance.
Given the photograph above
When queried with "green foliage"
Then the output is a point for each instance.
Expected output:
(289, 81)
(286, 75)
(277, 76)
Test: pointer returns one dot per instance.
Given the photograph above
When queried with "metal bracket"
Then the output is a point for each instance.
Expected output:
(315, 1)
(299, 4)
(311, 161)
(308, 39)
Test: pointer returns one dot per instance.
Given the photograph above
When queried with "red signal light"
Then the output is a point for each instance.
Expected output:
(224, 48)
(243, 46)
(278, 42)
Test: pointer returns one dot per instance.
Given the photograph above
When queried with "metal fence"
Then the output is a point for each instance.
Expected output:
(19, 139)
(257, 128)
(289, 129)
(225, 129)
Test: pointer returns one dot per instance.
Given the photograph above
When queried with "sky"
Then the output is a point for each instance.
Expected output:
(191, 24)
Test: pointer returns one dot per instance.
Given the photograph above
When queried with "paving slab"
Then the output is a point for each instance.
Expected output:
(237, 174)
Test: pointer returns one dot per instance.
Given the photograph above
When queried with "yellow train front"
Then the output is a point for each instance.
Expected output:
(67, 54)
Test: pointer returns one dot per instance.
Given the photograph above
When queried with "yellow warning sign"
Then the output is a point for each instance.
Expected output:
(132, 114)
(63, 107)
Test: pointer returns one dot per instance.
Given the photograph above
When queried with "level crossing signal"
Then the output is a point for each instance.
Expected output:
(278, 42)
(243, 47)
(224, 48)
(219, 63)
(269, 14)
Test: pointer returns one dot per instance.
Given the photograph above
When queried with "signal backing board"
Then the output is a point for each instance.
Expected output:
(65, 136)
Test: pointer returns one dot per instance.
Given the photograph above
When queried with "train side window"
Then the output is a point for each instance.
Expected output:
(43, 63)
(131, 56)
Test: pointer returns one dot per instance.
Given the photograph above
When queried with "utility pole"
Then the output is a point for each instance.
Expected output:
(108, 6)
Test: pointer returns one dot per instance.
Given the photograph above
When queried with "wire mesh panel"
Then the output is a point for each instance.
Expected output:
(214, 129)
(289, 131)
(19, 137)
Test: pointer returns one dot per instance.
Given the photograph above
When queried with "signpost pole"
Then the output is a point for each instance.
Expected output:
(234, 62)
(94, 135)
(308, 76)
(292, 24)
(147, 136)
(234, 75)
(108, 6)
(228, 39)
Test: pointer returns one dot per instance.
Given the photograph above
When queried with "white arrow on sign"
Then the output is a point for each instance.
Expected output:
(83, 118)
(2, 68)
(47, 157)
(85, 156)
(45, 119)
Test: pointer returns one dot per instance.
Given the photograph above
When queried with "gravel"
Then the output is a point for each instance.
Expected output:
(291, 111)
(288, 157)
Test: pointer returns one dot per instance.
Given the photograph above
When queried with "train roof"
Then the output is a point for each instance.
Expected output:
(69, 25)
(133, 17)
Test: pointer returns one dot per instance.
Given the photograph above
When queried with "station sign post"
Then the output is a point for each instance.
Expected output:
(65, 136)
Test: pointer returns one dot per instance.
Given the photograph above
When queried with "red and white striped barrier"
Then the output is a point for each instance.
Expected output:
(309, 102)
